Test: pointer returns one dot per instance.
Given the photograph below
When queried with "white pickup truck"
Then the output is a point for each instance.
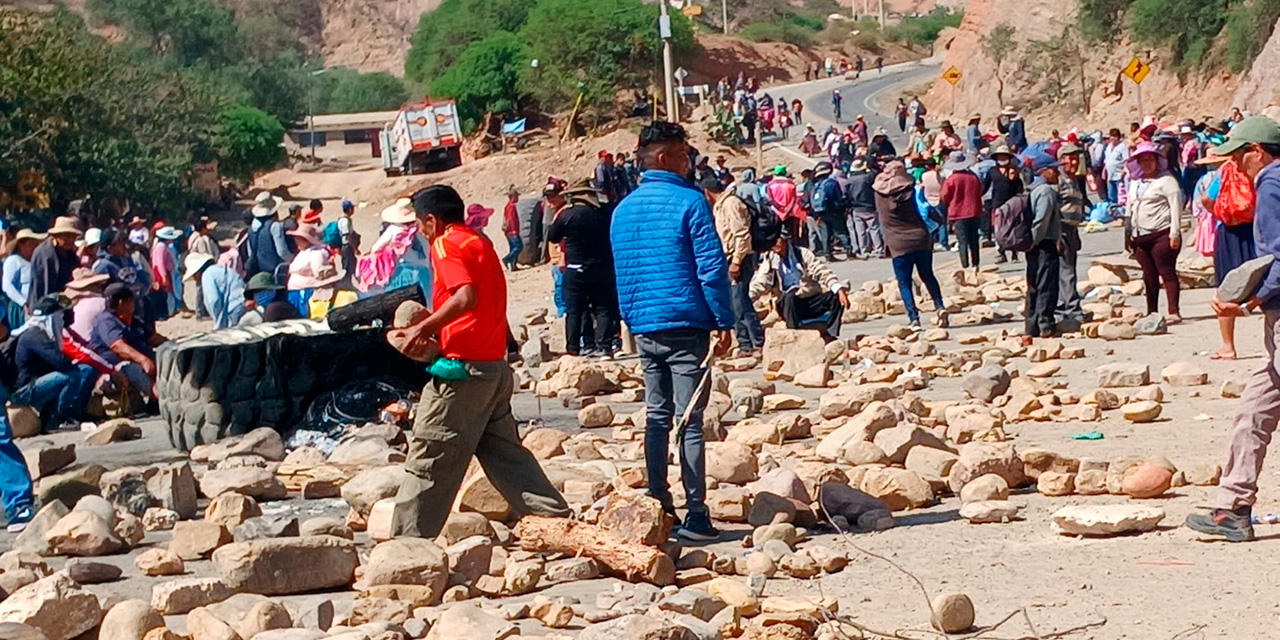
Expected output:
(424, 136)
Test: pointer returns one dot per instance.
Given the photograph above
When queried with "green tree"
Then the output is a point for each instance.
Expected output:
(348, 91)
(95, 117)
(1100, 20)
(1249, 26)
(250, 140)
(598, 47)
(923, 31)
(190, 30)
(1188, 37)
(445, 33)
(486, 78)
(1000, 46)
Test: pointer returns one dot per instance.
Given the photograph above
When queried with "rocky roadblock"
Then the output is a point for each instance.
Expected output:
(948, 452)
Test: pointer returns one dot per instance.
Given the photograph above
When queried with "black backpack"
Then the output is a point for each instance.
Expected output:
(1012, 223)
(9, 363)
(766, 227)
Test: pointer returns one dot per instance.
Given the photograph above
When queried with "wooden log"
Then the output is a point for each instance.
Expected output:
(380, 308)
(633, 562)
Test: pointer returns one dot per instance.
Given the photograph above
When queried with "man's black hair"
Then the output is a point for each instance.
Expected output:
(111, 237)
(441, 201)
(316, 204)
(711, 184)
(1272, 150)
(116, 294)
(661, 132)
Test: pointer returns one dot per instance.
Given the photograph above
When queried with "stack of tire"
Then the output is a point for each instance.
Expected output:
(229, 382)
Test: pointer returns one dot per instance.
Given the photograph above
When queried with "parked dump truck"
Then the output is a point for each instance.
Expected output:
(425, 136)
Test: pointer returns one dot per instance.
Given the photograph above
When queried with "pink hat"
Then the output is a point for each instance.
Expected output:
(1143, 148)
(478, 216)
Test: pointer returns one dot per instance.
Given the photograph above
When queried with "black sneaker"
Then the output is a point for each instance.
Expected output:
(1236, 527)
(697, 527)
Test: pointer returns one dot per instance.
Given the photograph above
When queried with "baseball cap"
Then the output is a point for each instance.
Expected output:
(1254, 129)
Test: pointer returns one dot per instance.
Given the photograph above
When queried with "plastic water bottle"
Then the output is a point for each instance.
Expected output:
(1270, 518)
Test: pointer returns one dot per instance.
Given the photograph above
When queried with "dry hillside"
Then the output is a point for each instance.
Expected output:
(1047, 85)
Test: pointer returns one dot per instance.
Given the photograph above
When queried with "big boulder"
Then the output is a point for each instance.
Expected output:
(987, 383)
(850, 399)
(370, 486)
(637, 627)
(55, 605)
(1123, 374)
(731, 462)
(1105, 520)
(129, 620)
(788, 352)
(407, 561)
(980, 458)
(83, 533)
(899, 488)
(287, 565)
(255, 482)
(863, 427)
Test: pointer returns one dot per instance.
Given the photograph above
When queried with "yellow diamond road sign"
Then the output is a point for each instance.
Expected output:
(952, 75)
(1137, 70)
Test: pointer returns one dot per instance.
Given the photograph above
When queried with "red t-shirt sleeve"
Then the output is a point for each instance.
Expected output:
(449, 264)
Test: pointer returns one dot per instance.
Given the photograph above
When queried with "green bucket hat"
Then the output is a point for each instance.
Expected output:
(780, 170)
(1251, 130)
(262, 282)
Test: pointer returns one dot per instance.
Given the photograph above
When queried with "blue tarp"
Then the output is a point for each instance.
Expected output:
(511, 128)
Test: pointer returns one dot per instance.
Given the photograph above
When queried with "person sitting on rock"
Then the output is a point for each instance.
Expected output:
(805, 289)
(48, 380)
(121, 339)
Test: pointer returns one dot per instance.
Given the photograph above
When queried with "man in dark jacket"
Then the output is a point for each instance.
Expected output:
(881, 148)
(268, 248)
(606, 179)
(47, 379)
(589, 285)
(862, 210)
(54, 260)
(673, 289)
(1073, 196)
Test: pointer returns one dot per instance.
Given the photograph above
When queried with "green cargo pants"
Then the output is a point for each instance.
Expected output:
(456, 420)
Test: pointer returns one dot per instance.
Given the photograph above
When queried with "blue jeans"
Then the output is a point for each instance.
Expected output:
(922, 263)
(1113, 191)
(515, 246)
(15, 480)
(557, 275)
(747, 323)
(673, 367)
(58, 396)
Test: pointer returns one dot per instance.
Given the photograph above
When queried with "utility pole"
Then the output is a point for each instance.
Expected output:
(724, 15)
(664, 30)
(883, 17)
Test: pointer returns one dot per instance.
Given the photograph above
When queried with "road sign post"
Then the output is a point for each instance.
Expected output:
(953, 76)
(1137, 70)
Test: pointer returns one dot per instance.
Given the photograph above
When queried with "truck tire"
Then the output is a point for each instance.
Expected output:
(232, 381)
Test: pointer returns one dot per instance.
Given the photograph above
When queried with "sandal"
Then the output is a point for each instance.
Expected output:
(1223, 355)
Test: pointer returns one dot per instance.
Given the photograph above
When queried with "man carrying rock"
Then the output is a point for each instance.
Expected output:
(673, 290)
(466, 408)
(1255, 146)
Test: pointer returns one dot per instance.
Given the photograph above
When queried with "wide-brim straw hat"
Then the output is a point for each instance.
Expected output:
(194, 263)
(265, 205)
(65, 225)
(400, 212)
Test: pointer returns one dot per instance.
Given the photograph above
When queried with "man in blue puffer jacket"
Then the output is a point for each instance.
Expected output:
(673, 291)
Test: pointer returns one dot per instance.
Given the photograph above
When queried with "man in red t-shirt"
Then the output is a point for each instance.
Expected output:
(460, 418)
